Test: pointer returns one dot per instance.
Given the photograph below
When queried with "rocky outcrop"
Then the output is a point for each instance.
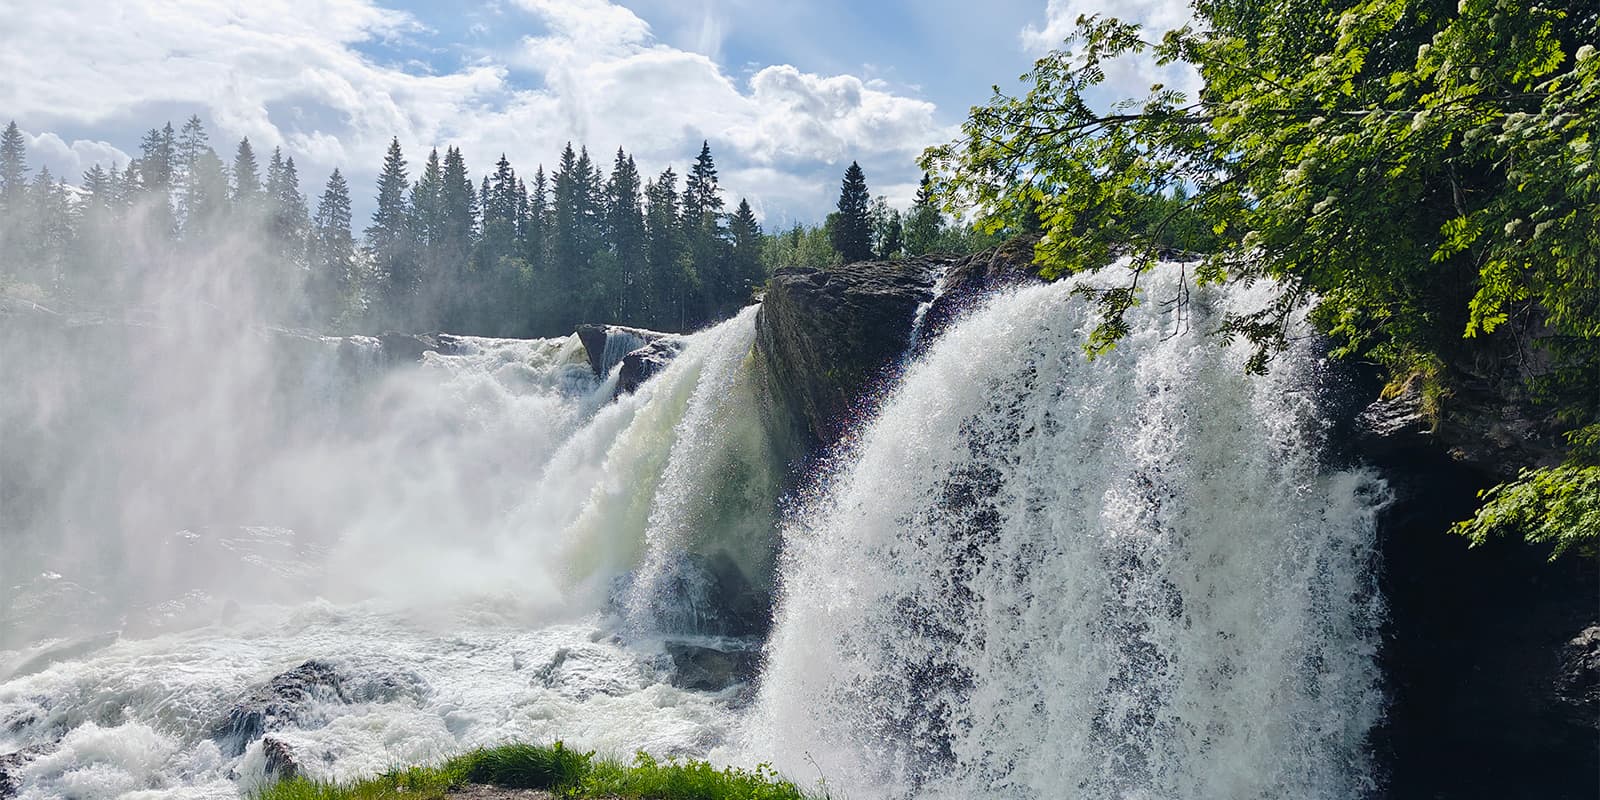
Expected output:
(288, 700)
(646, 362)
(829, 337)
(1474, 426)
(706, 668)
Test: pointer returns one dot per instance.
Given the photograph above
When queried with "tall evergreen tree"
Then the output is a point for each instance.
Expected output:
(13, 195)
(923, 225)
(745, 262)
(391, 242)
(428, 228)
(852, 231)
(13, 168)
(192, 140)
(331, 285)
(664, 253)
(458, 208)
(625, 234)
(158, 159)
(246, 175)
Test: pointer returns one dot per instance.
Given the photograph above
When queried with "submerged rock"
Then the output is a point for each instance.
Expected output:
(288, 700)
(11, 765)
(278, 760)
(711, 669)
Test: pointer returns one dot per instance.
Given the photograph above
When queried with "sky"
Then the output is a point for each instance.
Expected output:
(786, 93)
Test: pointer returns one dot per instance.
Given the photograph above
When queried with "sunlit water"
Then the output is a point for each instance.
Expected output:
(1029, 575)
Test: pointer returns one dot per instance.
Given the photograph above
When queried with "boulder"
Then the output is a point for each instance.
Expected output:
(830, 337)
(607, 345)
(11, 765)
(1577, 685)
(646, 362)
(706, 668)
(278, 762)
(288, 700)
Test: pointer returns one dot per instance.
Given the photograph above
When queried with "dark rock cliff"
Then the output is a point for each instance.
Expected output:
(830, 337)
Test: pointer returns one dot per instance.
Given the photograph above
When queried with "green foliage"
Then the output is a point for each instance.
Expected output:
(1555, 505)
(1421, 175)
(852, 229)
(685, 780)
(526, 766)
(556, 768)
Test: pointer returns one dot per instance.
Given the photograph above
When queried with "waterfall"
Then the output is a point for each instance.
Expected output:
(1040, 575)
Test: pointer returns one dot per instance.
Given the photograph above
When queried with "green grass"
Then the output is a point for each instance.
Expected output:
(557, 769)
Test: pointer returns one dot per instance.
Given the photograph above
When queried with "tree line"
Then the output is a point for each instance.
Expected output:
(502, 255)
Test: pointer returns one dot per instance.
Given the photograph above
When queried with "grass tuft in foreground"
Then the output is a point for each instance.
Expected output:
(557, 769)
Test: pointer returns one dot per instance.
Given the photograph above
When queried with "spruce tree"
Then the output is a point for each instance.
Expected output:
(625, 235)
(458, 207)
(427, 225)
(331, 284)
(923, 225)
(13, 194)
(158, 159)
(852, 230)
(390, 240)
(13, 168)
(666, 285)
(246, 177)
(745, 263)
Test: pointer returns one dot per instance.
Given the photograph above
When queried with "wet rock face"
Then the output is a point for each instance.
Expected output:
(830, 336)
(1577, 686)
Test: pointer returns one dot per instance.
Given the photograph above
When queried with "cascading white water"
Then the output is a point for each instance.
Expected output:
(1038, 575)
(472, 515)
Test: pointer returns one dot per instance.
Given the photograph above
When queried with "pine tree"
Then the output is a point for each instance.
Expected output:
(157, 166)
(923, 224)
(745, 263)
(291, 219)
(625, 233)
(331, 284)
(705, 239)
(192, 140)
(566, 237)
(158, 159)
(535, 235)
(13, 169)
(13, 195)
(428, 226)
(852, 231)
(390, 240)
(205, 197)
(458, 206)
(665, 288)
(246, 177)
